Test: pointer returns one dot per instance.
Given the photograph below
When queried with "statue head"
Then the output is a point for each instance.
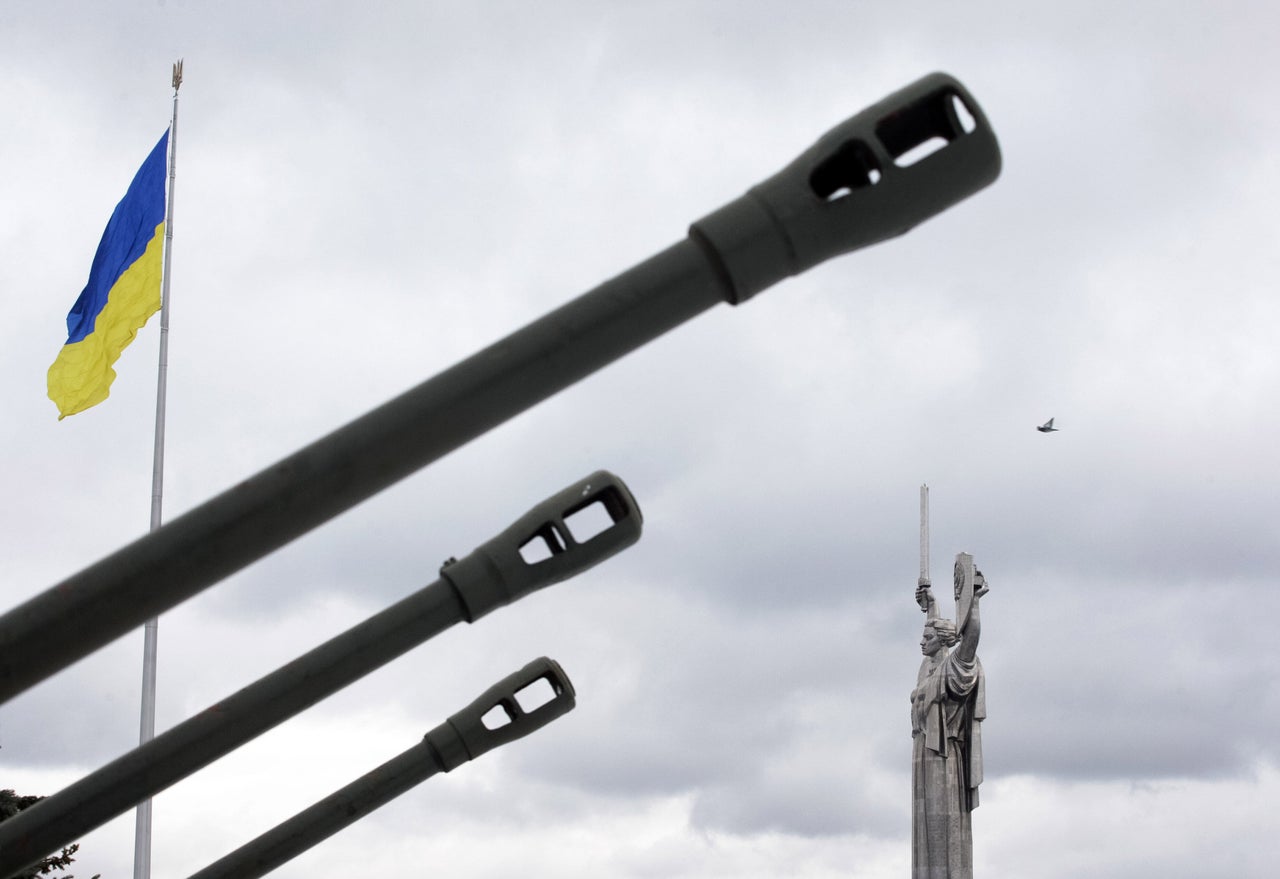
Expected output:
(938, 634)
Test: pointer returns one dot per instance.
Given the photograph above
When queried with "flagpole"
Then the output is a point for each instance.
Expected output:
(142, 832)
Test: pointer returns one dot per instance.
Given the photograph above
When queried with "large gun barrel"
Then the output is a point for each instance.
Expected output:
(463, 737)
(871, 178)
(495, 574)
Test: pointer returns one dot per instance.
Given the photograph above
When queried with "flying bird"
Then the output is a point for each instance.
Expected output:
(1047, 427)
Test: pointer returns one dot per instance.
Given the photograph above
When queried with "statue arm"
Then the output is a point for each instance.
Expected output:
(967, 649)
(924, 598)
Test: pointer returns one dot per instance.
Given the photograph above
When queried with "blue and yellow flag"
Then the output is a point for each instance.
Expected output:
(122, 293)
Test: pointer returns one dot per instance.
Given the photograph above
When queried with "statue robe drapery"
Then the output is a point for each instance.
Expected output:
(947, 709)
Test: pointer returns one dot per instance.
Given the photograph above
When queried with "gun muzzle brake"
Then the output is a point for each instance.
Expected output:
(875, 176)
(564, 535)
(466, 735)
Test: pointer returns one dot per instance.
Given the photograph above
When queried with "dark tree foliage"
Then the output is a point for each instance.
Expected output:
(10, 805)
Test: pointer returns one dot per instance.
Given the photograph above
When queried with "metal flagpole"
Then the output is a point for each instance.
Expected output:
(142, 832)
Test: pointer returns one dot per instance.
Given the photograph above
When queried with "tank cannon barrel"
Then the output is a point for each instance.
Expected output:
(495, 574)
(899, 162)
(463, 737)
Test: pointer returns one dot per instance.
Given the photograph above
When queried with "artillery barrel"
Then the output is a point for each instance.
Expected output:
(495, 574)
(862, 182)
(463, 737)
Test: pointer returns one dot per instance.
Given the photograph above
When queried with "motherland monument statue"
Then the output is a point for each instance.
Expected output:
(948, 705)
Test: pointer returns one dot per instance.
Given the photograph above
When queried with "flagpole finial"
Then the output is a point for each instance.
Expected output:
(177, 75)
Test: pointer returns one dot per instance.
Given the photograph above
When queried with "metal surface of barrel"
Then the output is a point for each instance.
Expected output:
(495, 574)
(464, 736)
(864, 181)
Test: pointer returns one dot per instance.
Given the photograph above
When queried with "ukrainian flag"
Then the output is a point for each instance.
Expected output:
(123, 291)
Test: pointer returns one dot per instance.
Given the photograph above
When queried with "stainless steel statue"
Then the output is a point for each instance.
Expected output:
(947, 709)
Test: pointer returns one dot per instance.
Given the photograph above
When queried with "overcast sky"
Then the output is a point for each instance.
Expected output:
(368, 193)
